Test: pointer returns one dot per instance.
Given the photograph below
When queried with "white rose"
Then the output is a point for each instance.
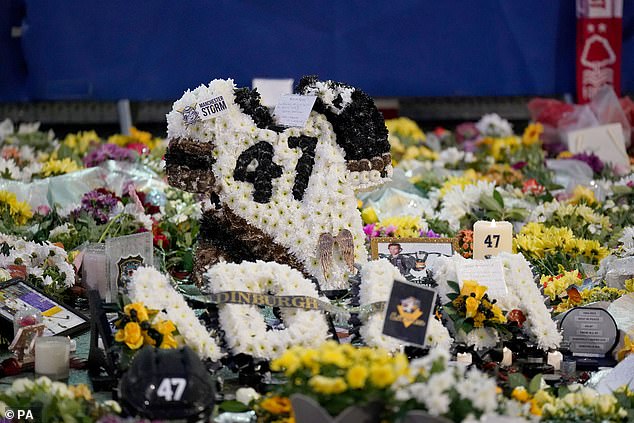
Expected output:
(246, 395)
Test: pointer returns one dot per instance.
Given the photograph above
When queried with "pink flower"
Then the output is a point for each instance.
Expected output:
(140, 148)
(43, 210)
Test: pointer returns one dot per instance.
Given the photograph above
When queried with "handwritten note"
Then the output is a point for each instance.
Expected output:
(294, 110)
(489, 273)
(272, 89)
(605, 141)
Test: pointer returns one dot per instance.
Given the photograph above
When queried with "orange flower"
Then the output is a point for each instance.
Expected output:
(276, 405)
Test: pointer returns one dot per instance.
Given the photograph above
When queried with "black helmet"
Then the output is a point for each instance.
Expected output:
(167, 385)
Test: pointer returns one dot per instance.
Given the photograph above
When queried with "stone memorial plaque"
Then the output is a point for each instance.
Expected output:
(589, 332)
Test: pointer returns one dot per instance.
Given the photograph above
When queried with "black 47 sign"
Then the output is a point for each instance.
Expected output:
(255, 165)
(492, 239)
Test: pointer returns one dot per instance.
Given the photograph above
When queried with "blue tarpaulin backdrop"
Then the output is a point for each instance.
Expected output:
(155, 49)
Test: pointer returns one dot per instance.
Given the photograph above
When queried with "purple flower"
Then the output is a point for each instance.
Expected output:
(369, 230)
(467, 131)
(98, 204)
(390, 230)
(519, 165)
(428, 234)
(591, 159)
(108, 151)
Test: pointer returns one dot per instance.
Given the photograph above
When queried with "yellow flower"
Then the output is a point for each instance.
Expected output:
(54, 167)
(81, 142)
(334, 357)
(356, 376)
(521, 394)
(627, 349)
(369, 215)
(582, 194)
(472, 306)
(469, 177)
(406, 226)
(564, 155)
(20, 211)
(80, 391)
(498, 315)
(405, 127)
(139, 309)
(382, 375)
(131, 335)
(276, 405)
(288, 361)
(168, 342)
(327, 385)
(471, 287)
(536, 409)
(532, 133)
(165, 327)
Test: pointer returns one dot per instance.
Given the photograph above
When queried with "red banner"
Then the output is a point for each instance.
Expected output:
(599, 38)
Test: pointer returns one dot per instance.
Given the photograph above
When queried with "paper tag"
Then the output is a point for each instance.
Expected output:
(214, 107)
(272, 89)
(605, 141)
(293, 110)
(408, 312)
(489, 273)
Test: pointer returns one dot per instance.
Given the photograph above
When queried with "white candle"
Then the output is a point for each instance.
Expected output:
(507, 357)
(554, 359)
(464, 358)
(95, 274)
(52, 355)
(491, 239)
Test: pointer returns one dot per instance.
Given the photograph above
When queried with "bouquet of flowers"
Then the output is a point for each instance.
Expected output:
(547, 248)
(54, 401)
(339, 375)
(137, 326)
(471, 307)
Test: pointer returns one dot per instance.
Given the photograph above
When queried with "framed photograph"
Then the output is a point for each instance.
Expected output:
(412, 256)
(59, 319)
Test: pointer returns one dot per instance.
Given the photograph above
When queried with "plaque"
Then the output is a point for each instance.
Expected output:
(590, 333)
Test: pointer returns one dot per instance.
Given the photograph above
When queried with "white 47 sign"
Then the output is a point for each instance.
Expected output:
(171, 388)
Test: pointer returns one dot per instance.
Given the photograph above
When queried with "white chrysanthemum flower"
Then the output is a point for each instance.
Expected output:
(494, 126)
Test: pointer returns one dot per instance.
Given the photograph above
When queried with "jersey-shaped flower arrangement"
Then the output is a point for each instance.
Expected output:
(279, 194)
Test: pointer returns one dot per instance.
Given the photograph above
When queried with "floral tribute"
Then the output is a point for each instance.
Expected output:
(280, 194)
(522, 294)
(245, 330)
(471, 307)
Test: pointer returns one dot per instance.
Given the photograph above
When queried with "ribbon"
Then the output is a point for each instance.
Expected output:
(285, 301)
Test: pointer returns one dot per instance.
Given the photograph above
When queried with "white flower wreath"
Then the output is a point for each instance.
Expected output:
(377, 278)
(153, 289)
(244, 326)
(523, 294)
(328, 204)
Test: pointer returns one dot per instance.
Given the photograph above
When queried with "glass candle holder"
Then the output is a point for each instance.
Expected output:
(52, 357)
(26, 317)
